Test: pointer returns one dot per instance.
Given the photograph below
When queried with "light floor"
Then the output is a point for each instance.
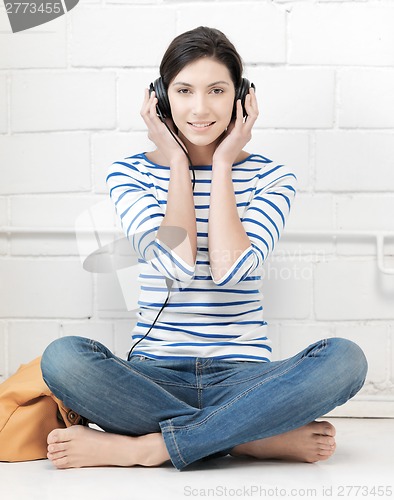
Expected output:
(364, 460)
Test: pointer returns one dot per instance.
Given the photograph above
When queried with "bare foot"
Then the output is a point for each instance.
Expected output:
(310, 443)
(79, 446)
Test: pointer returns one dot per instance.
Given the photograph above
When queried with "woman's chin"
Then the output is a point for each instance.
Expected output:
(201, 140)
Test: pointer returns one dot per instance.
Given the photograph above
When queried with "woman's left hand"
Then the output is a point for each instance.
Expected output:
(239, 132)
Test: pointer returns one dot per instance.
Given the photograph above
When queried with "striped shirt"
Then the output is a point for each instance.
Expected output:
(204, 317)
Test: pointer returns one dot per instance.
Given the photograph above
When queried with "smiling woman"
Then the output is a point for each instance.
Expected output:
(200, 382)
(202, 111)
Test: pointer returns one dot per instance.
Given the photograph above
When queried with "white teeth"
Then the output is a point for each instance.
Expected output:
(201, 125)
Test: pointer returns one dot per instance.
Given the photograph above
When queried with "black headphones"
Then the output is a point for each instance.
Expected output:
(164, 108)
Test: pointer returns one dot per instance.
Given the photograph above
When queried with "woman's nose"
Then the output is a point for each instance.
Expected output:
(200, 105)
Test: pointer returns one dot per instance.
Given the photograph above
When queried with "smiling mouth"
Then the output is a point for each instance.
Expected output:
(201, 124)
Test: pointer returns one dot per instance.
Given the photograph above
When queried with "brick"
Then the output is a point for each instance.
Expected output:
(309, 212)
(101, 332)
(367, 98)
(264, 20)
(391, 347)
(111, 301)
(295, 338)
(41, 47)
(330, 0)
(63, 168)
(44, 289)
(364, 162)
(364, 212)
(353, 290)
(363, 34)
(287, 288)
(123, 337)
(134, 2)
(115, 146)
(123, 35)
(3, 222)
(71, 100)
(373, 340)
(131, 88)
(284, 148)
(3, 244)
(52, 211)
(28, 339)
(3, 211)
(3, 105)
(294, 97)
(48, 211)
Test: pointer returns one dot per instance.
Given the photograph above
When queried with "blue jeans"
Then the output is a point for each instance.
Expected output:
(202, 406)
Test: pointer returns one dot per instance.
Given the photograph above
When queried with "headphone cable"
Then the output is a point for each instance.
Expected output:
(169, 281)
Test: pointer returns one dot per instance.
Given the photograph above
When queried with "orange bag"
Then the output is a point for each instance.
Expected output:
(28, 413)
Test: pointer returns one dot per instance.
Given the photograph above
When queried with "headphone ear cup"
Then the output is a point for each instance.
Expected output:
(241, 93)
(163, 105)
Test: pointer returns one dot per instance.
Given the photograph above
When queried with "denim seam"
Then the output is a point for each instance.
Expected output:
(170, 430)
(241, 381)
(130, 368)
(152, 379)
(318, 350)
(230, 403)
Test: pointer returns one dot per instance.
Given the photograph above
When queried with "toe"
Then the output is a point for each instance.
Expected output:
(324, 428)
(329, 429)
(61, 463)
(53, 448)
(325, 440)
(52, 437)
(58, 435)
(55, 456)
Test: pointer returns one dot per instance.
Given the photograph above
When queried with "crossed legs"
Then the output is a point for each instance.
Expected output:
(304, 440)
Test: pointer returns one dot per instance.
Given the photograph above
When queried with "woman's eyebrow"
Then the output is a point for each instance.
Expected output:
(184, 84)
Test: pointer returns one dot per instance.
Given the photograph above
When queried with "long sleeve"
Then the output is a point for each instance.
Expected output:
(264, 219)
(133, 194)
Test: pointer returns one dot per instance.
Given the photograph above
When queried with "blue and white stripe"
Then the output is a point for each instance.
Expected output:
(204, 317)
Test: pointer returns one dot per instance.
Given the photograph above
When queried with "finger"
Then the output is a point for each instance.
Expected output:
(251, 111)
(153, 108)
(252, 101)
(146, 107)
(239, 114)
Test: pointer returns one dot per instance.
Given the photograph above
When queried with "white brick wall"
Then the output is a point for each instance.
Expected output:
(350, 34)
(3, 105)
(45, 163)
(64, 100)
(70, 96)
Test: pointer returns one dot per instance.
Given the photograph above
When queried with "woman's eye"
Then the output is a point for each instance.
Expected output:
(217, 91)
(183, 91)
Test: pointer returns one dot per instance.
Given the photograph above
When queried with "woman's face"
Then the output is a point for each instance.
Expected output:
(202, 98)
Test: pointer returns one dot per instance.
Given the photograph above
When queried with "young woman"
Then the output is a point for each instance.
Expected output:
(203, 215)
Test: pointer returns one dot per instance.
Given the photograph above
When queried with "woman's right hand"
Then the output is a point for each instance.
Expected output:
(158, 132)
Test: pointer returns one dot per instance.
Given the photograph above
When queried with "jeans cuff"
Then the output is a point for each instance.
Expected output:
(167, 430)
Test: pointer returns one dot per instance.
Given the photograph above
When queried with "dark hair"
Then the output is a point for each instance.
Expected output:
(195, 44)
